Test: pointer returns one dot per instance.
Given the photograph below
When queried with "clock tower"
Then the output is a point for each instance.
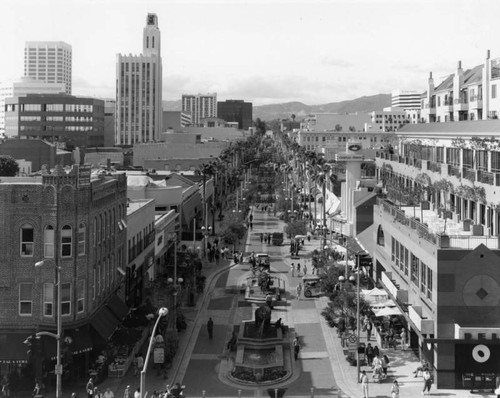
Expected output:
(151, 44)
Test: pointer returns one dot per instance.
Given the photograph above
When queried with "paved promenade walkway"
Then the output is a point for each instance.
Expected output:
(321, 370)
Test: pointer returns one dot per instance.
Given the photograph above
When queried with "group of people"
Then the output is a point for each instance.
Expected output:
(94, 392)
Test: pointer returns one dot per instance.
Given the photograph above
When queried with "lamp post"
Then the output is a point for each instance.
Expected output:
(58, 367)
(357, 315)
(163, 311)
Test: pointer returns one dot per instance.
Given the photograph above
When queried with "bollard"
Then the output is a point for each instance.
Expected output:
(312, 392)
(275, 393)
(203, 392)
(239, 393)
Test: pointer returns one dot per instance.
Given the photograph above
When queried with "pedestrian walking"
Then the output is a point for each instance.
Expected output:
(90, 388)
(139, 364)
(296, 347)
(305, 269)
(299, 290)
(261, 237)
(269, 239)
(292, 269)
(364, 384)
(368, 330)
(127, 393)
(427, 381)
(395, 389)
(269, 301)
(137, 393)
(298, 269)
(5, 387)
(37, 391)
(369, 354)
(97, 393)
(385, 364)
(210, 328)
(403, 339)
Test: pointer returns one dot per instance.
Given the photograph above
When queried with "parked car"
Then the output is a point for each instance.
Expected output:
(312, 287)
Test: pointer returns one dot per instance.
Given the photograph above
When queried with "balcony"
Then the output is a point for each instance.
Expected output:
(454, 171)
(434, 166)
(469, 174)
(461, 105)
(444, 234)
(447, 105)
(424, 325)
(476, 102)
(486, 177)
(399, 294)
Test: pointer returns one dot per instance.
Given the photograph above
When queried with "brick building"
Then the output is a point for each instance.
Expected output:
(75, 221)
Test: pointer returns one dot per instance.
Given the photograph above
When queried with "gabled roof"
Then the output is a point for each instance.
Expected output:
(471, 76)
(446, 84)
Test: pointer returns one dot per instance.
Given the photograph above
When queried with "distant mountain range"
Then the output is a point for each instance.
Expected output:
(285, 110)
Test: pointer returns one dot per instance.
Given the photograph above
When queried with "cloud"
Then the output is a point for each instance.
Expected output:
(338, 62)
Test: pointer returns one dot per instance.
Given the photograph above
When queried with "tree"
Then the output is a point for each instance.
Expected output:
(352, 129)
(8, 166)
(338, 127)
(298, 227)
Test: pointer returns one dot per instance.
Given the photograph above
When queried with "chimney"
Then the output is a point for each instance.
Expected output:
(487, 54)
(459, 65)
(486, 86)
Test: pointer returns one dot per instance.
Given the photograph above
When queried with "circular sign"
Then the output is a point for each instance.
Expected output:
(353, 338)
(354, 147)
(481, 353)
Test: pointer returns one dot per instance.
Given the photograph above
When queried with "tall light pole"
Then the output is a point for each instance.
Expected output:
(357, 314)
(206, 234)
(163, 311)
(58, 368)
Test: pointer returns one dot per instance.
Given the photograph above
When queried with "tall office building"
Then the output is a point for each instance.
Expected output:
(236, 111)
(138, 90)
(48, 61)
(200, 106)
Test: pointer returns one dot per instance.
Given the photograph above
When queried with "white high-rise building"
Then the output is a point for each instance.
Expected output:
(48, 61)
(26, 85)
(138, 90)
(406, 99)
(200, 106)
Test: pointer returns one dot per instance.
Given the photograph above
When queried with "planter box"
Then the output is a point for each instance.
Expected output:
(445, 241)
(467, 224)
(425, 205)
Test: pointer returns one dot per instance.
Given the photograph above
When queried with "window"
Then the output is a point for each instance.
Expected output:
(493, 91)
(48, 299)
(81, 239)
(48, 242)
(80, 299)
(423, 278)
(66, 299)
(25, 298)
(414, 269)
(94, 277)
(66, 241)
(27, 236)
(429, 283)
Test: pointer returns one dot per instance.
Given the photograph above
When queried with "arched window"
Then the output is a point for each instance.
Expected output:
(66, 241)
(380, 236)
(82, 230)
(48, 242)
(27, 236)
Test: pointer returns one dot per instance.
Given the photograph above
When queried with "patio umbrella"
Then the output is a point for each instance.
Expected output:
(388, 311)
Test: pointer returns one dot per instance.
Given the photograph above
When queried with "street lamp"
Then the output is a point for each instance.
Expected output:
(176, 282)
(58, 368)
(163, 311)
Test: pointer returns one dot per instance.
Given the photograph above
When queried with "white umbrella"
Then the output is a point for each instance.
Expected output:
(376, 292)
(388, 311)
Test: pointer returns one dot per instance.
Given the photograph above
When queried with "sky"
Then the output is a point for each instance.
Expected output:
(262, 51)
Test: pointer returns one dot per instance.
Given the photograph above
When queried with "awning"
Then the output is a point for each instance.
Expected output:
(117, 306)
(104, 322)
(78, 341)
(12, 347)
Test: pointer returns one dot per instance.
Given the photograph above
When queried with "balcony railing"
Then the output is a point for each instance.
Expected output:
(467, 242)
(434, 166)
(426, 326)
(486, 177)
(454, 171)
(469, 174)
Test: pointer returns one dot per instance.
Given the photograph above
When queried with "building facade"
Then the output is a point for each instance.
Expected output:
(70, 220)
(200, 106)
(406, 99)
(57, 118)
(49, 61)
(23, 87)
(236, 111)
(471, 94)
(139, 90)
(437, 243)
